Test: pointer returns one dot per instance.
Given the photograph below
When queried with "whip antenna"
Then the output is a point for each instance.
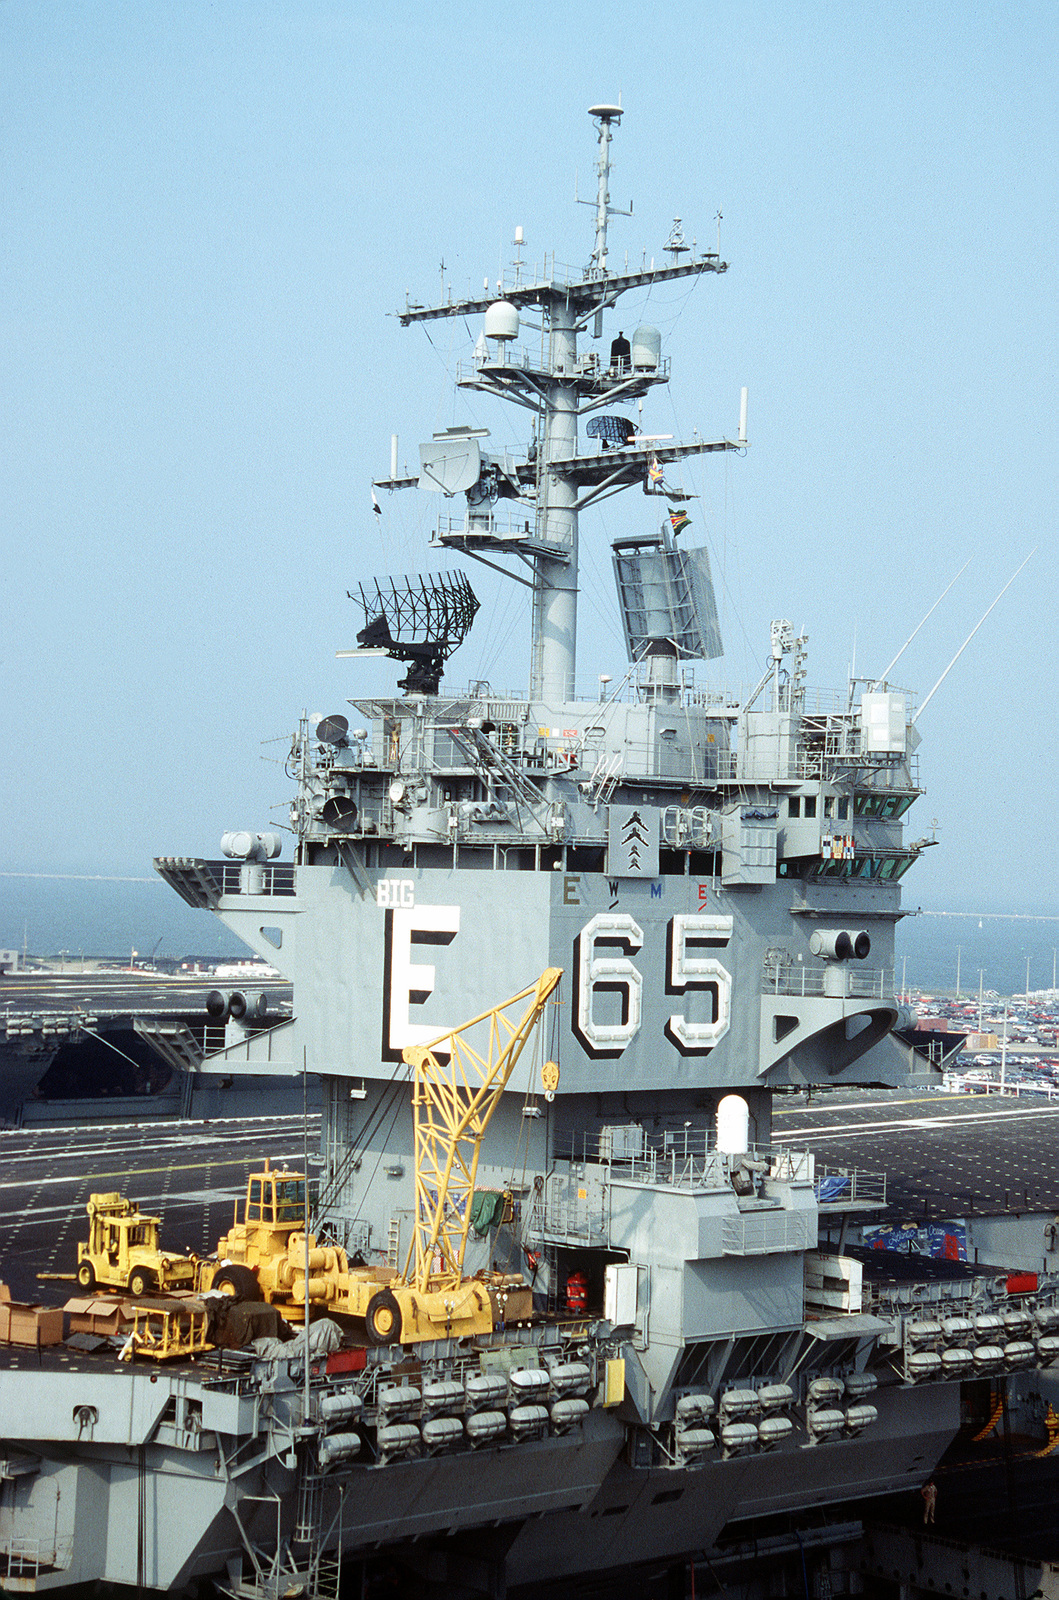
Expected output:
(968, 639)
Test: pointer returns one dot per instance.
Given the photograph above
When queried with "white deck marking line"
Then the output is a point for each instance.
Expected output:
(913, 1123)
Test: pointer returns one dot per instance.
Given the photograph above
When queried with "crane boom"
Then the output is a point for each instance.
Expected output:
(457, 1087)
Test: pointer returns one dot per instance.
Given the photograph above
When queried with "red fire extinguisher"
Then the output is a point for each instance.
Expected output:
(576, 1293)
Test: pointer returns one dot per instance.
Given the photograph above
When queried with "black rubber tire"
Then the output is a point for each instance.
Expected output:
(140, 1282)
(86, 1276)
(238, 1281)
(382, 1319)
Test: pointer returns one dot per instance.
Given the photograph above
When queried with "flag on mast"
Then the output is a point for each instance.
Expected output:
(679, 520)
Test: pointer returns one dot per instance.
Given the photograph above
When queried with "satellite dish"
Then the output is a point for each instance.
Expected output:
(339, 812)
(332, 730)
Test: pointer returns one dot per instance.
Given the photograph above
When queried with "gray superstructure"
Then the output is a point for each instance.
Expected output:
(720, 883)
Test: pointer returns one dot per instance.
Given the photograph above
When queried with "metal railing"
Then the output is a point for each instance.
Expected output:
(28, 1558)
(273, 880)
(512, 527)
(849, 1186)
(684, 1158)
(800, 979)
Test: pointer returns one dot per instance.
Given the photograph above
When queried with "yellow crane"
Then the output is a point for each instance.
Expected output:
(456, 1089)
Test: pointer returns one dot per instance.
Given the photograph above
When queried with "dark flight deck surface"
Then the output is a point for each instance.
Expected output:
(944, 1155)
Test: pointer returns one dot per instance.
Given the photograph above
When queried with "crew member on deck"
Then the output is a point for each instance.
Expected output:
(930, 1494)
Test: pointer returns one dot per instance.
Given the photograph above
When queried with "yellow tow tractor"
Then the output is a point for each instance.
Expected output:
(124, 1251)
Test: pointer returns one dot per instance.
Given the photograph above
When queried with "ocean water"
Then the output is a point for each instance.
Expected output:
(930, 946)
(104, 917)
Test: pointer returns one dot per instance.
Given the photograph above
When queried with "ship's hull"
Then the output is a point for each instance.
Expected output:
(166, 1514)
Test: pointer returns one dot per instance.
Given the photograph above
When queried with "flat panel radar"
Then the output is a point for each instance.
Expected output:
(420, 621)
(666, 597)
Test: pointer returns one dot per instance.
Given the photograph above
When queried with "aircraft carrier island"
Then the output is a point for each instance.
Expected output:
(564, 1303)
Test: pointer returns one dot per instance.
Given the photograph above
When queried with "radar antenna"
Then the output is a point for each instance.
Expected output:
(604, 115)
(420, 621)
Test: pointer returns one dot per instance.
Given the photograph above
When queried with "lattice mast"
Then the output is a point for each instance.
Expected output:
(453, 1101)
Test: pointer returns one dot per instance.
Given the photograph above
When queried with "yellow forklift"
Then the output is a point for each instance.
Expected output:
(124, 1251)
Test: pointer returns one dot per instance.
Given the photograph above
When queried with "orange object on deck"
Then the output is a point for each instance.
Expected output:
(577, 1293)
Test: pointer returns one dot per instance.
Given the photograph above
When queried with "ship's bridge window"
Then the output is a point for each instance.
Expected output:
(829, 805)
(882, 867)
(810, 805)
(843, 807)
(794, 806)
(877, 803)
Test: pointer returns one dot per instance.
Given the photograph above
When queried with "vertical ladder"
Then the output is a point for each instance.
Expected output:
(320, 1567)
(307, 1519)
(393, 1242)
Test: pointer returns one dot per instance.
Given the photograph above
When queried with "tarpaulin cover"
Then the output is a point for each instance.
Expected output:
(487, 1209)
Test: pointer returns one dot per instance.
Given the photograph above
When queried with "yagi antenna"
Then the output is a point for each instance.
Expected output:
(887, 670)
(969, 637)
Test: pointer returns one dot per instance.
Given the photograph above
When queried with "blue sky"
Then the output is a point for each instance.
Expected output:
(210, 210)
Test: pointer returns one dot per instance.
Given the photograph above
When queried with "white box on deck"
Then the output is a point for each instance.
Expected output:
(882, 723)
